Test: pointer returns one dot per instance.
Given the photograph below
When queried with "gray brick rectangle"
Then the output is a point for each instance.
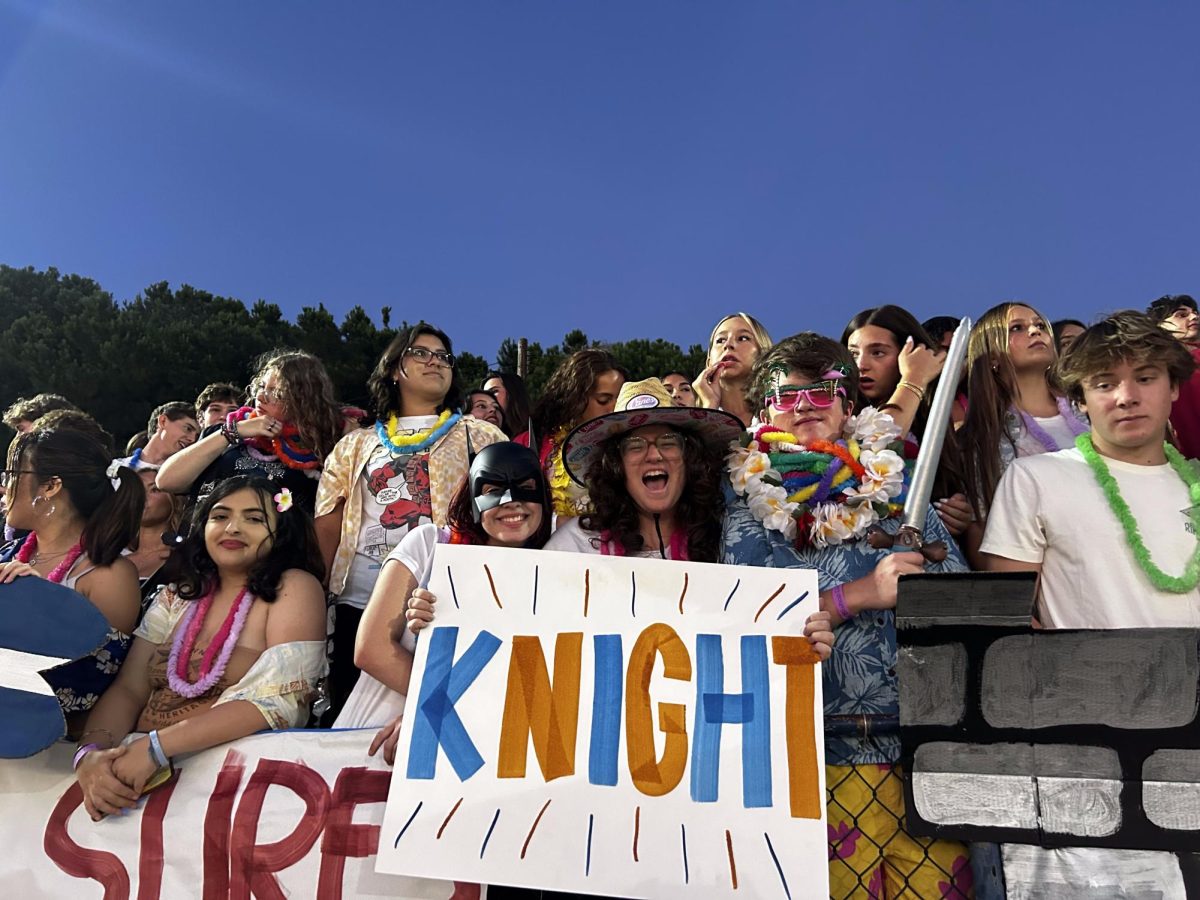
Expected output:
(1124, 679)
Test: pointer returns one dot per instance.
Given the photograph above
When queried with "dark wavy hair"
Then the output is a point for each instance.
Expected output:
(699, 511)
(516, 416)
(901, 324)
(293, 544)
(565, 396)
(307, 393)
(385, 395)
(112, 518)
(1160, 310)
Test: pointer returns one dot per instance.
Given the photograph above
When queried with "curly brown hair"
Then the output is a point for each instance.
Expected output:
(699, 511)
(30, 409)
(306, 392)
(565, 396)
(1127, 336)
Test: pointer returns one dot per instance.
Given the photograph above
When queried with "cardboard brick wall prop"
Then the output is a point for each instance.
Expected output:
(1066, 738)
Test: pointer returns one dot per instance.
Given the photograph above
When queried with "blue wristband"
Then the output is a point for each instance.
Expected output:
(156, 751)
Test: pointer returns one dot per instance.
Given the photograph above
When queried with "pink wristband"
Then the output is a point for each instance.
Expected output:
(81, 753)
(839, 603)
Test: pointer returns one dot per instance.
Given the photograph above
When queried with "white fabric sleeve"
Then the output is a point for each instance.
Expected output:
(415, 551)
(1014, 524)
(160, 619)
(281, 682)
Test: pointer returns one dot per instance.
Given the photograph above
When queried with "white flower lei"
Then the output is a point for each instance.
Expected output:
(752, 477)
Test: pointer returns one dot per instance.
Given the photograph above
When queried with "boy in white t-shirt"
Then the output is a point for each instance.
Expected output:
(1110, 525)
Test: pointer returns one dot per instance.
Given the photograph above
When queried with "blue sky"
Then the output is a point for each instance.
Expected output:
(632, 169)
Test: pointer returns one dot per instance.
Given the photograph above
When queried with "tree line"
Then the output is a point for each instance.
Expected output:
(118, 360)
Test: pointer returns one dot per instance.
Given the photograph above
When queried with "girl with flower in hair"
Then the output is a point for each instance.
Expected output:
(805, 489)
(236, 646)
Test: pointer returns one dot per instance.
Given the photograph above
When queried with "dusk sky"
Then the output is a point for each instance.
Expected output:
(631, 169)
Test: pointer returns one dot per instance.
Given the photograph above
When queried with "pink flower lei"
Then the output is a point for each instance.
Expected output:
(29, 550)
(220, 647)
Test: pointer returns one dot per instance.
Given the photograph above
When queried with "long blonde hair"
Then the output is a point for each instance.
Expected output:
(761, 337)
(992, 393)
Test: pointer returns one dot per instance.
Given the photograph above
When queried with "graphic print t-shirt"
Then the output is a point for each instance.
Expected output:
(395, 499)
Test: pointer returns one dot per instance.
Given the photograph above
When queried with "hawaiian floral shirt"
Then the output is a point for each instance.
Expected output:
(860, 677)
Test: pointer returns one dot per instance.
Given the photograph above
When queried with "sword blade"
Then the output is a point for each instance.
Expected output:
(916, 506)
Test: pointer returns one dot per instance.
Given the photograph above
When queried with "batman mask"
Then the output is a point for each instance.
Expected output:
(506, 466)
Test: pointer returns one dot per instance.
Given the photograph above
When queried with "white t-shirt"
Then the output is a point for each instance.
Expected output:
(571, 537)
(1056, 429)
(372, 703)
(1050, 509)
(395, 499)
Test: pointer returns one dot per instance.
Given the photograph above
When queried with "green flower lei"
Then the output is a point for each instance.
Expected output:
(1191, 575)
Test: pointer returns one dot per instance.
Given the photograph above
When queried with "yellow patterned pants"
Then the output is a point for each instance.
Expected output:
(870, 854)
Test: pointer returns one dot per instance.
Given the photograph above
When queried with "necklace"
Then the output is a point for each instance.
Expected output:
(285, 448)
(1112, 493)
(28, 554)
(822, 493)
(407, 444)
(1077, 425)
(220, 648)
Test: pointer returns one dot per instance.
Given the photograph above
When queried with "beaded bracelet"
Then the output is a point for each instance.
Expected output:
(838, 595)
(156, 751)
(230, 433)
(81, 753)
(920, 392)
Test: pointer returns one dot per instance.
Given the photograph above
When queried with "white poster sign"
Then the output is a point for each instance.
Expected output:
(632, 727)
(290, 814)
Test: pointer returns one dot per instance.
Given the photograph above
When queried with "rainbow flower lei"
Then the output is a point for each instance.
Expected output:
(827, 492)
(415, 442)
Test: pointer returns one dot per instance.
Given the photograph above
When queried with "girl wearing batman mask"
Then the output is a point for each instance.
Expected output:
(503, 502)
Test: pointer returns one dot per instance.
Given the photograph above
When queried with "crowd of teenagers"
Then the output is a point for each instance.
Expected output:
(262, 556)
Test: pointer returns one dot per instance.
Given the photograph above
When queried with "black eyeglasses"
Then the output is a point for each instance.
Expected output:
(8, 476)
(423, 356)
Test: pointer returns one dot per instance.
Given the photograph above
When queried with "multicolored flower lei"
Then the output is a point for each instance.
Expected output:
(285, 447)
(408, 444)
(826, 492)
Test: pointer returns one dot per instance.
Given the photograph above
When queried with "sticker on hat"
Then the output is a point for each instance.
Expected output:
(642, 401)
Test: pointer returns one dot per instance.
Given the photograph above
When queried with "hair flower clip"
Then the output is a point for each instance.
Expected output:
(283, 500)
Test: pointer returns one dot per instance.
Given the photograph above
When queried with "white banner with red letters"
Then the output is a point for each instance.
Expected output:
(291, 814)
